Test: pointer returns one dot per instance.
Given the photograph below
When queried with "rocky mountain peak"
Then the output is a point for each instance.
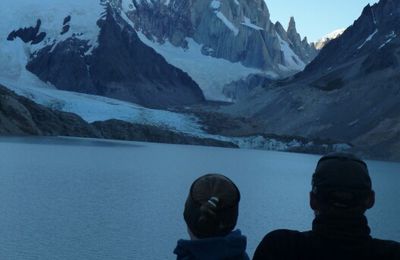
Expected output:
(302, 48)
(238, 31)
(281, 31)
(293, 35)
(292, 25)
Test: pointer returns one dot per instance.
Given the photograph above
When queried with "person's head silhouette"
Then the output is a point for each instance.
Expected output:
(211, 213)
(341, 185)
(340, 195)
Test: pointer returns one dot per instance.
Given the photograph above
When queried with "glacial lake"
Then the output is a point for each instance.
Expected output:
(66, 198)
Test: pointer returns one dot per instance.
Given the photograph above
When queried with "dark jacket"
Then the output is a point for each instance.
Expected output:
(230, 247)
(329, 239)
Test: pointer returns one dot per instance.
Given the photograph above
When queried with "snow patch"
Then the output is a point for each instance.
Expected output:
(373, 16)
(228, 23)
(292, 61)
(368, 39)
(353, 123)
(125, 17)
(248, 23)
(127, 6)
(215, 4)
(330, 36)
(389, 37)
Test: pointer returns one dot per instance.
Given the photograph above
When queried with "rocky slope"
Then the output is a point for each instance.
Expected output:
(113, 63)
(349, 92)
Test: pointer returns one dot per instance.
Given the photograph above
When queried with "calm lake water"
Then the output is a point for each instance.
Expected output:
(63, 198)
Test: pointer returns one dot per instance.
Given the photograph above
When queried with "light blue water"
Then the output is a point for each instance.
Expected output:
(87, 199)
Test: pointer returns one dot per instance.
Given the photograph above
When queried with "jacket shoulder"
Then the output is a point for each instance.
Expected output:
(386, 249)
(284, 236)
(279, 243)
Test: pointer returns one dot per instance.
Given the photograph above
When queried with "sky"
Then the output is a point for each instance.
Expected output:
(316, 18)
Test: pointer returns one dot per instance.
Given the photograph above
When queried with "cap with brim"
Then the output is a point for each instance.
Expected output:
(342, 173)
(226, 214)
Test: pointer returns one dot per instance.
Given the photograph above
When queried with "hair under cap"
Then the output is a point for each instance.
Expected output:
(212, 206)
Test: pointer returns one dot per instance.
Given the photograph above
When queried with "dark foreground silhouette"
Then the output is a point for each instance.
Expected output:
(341, 194)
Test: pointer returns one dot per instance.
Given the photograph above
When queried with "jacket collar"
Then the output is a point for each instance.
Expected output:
(351, 228)
(232, 245)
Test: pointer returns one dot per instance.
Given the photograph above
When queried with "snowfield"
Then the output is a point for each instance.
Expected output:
(84, 14)
(212, 74)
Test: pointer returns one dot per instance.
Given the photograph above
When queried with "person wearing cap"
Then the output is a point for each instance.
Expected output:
(341, 193)
(211, 212)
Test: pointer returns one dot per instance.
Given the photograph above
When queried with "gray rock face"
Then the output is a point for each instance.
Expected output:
(301, 47)
(238, 31)
(121, 66)
(30, 34)
(349, 92)
(239, 90)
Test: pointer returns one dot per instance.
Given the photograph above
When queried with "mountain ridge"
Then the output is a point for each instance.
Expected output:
(349, 92)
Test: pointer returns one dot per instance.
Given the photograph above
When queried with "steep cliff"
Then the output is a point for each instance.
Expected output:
(239, 31)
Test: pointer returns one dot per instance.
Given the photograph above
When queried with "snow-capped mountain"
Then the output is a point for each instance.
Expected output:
(61, 21)
(229, 39)
(327, 38)
(88, 47)
(48, 47)
(349, 92)
(102, 46)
